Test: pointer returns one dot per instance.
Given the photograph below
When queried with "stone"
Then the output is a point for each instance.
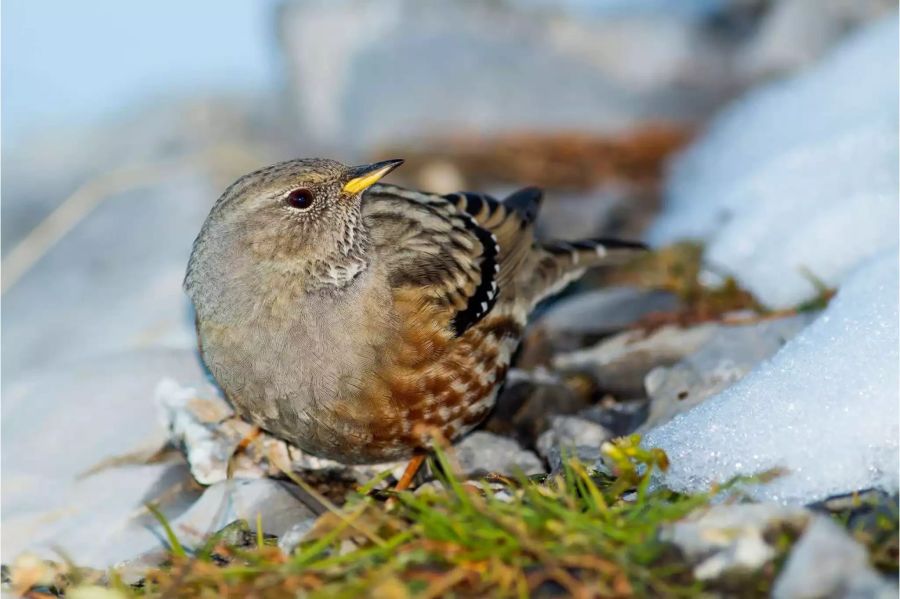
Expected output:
(725, 358)
(573, 435)
(528, 400)
(792, 34)
(618, 365)
(827, 562)
(76, 443)
(294, 535)
(602, 312)
(376, 83)
(277, 503)
(728, 542)
(482, 453)
(592, 213)
(133, 206)
(619, 417)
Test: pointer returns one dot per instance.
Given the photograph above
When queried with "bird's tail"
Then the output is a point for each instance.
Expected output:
(561, 262)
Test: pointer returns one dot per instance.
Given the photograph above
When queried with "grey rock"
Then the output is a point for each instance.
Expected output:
(528, 400)
(135, 202)
(481, 453)
(603, 311)
(376, 83)
(827, 563)
(725, 358)
(277, 503)
(621, 417)
(76, 443)
(293, 536)
(728, 543)
(792, 34)
(133, 571)
(573, 435)
(619, 364)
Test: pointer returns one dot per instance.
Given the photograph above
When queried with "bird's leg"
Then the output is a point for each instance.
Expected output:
(410, 473)
(247, 439)
(243, 444)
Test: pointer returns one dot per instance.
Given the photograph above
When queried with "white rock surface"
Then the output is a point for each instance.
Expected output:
(825, 407)
(827, 562)
(793, 33)
(276, 503)
(729, 540)
(59, 426)
(573, 435)
(798, 178)
(482, 452)
(363, 73)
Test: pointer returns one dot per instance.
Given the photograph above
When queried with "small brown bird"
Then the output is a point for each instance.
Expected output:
(355, 320)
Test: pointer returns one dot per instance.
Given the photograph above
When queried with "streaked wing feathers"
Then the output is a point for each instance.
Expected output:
(429, 243)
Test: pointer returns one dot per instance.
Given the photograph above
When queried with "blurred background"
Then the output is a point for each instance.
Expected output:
(122, 122)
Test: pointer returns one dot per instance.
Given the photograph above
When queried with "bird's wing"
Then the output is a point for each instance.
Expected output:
(429, 243)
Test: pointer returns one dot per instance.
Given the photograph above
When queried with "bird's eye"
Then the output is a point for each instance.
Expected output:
(300, 199)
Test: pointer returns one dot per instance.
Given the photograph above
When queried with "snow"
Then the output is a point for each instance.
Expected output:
(825, 407)
(796, 181)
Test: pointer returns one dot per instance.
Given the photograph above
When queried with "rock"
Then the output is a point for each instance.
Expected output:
(133, 571)
(599, 313)
(618, 417)
(827, 562)
(594, 213)
(577, 437)
(794, 33)
(375, 82)
(100, 519)
(528, 400)
(482, 453)
(729, 354)
(135, 204)
(619, 364)
(277, 502)
(293, 536)
(75, 448)
(728, 543)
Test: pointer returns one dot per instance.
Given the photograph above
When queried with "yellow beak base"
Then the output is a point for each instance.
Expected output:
(369, 174)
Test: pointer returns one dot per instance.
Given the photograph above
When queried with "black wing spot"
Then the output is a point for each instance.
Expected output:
(482, 301)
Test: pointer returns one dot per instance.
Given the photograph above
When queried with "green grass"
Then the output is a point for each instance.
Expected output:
(581, 534)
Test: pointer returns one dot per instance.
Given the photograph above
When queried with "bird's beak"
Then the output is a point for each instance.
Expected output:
(363, 177)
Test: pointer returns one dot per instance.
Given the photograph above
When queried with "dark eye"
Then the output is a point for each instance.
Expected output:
(300, 199)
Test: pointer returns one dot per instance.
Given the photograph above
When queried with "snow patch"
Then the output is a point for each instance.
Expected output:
(825, 407)
(797, 181)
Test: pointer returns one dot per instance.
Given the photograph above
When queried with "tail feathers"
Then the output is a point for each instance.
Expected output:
(561, 262)
(525, 202)
(587, 253)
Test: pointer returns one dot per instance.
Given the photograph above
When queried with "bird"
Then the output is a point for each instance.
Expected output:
(360, 321)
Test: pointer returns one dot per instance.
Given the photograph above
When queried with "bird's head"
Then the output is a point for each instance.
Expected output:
(298, 216)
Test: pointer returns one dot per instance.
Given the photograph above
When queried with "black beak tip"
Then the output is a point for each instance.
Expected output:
(394, 162)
